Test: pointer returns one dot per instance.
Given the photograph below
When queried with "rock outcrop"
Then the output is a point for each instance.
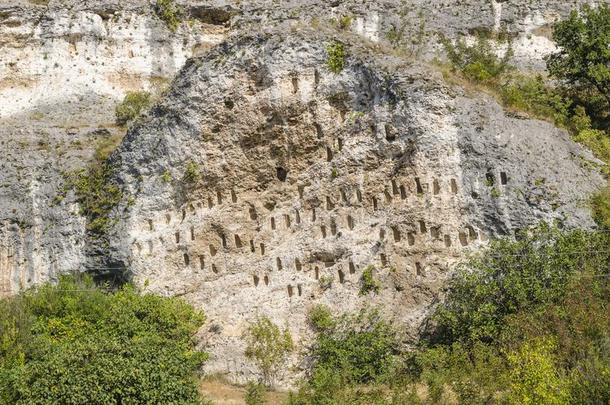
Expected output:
(261, 182)
(264, 183)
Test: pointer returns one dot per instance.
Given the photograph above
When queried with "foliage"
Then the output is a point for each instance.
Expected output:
(531, 315)
(533, 95)
(255, 394)
(512, 277)
(368, 283)
(337, 57)
(74, 343)
(525, 321)
(344, 22)
(583, 57)
(600, 205)
(268, 347)
(166, 177)
(477, 62)
(132, 106)
(349, 350)
(321, 318)
(325, 282)
(96, 192)
(191, 175)
(169, 13)
(596, 140)
(475, 374)
(97, 195)
(534, 377)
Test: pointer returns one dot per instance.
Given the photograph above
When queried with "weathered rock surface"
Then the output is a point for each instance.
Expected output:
(63, 68)
(262, 183)
(308, 177)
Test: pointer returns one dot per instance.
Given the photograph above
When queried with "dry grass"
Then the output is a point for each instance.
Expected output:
(221, 392)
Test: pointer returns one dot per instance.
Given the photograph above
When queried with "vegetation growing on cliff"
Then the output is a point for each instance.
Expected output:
(169, 12)
(133, 104)
(268, 347)
(74, 343)
(95, 190)
(578, 101)
(525, 321)
(337, 56)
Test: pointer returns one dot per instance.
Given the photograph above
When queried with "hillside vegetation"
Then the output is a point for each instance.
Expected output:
(575, 93)
(524, 322)
(75, 343)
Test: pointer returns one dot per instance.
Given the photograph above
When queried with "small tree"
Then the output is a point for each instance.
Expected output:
(583, 58)
(268, 347)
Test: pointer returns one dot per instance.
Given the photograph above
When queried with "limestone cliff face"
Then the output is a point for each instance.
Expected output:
(304, 178)
(64, 66)
(262, 182)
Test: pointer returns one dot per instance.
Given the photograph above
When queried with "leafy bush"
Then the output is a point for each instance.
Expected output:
(515, 276)
(534, 96)
(132, 106)
(368, 281)
(73, 343)
(169, 13)
(534, 377)
(268, 347)
(336, 57)
(350, 350)
(524, 321)
(344, 22)
(191, 175)
(96, 194)
(477, 62)
(600, 205)
(321, 318)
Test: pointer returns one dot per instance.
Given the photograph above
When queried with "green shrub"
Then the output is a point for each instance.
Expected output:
(477, 62)
(596, 140)
(255, 394)
(475, 375)
(514, 276)
(169, 13)
(524, 321)
(96, 194)
(325, 282)
(600, 205)
(534, 96)
(349, 351)
(321, 318)
(191, 175)
(166, 177)
(337, 57)
(368, 283)
(534, 377)
(73, 343)
(268, 347)
(344, 22)
(132, 106)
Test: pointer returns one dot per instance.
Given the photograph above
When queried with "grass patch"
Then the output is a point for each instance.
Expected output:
(134, 103)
